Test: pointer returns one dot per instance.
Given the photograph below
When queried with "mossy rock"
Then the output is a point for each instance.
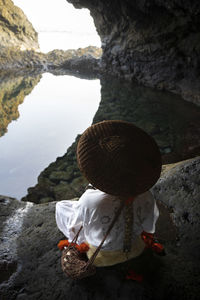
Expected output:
(46, 200)
(63, 191)
(57, 176)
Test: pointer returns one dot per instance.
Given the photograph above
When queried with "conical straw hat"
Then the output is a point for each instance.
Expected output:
(119, 158)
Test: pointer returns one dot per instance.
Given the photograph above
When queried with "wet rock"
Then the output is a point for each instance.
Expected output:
(33, 235)
(62, 188)
(11, 219)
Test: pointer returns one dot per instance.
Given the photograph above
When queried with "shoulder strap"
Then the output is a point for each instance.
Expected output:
(128, 228)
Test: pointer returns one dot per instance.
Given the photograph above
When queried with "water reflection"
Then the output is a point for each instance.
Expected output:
(59, 108)
(12, 93)
(173, 122)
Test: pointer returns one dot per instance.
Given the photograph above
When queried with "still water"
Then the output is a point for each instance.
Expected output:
(40, 117)
(56, 109)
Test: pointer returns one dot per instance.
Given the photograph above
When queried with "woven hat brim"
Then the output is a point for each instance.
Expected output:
(119, 158)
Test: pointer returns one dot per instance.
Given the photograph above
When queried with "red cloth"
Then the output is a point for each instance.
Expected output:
(150, 242)
(83, 247)
(134, 276)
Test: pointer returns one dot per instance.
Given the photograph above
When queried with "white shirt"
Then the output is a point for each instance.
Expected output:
(96, 209)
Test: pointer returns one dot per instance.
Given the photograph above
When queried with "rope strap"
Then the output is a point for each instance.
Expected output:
(128, 229)
(92, 258)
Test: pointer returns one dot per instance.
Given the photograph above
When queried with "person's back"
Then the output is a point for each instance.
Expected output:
(98, 210)
(122, 162)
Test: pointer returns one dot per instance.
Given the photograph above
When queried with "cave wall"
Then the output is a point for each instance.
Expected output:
(156, 42)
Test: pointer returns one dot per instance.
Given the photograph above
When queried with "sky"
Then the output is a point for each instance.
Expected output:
(56, 15)
(59, 24)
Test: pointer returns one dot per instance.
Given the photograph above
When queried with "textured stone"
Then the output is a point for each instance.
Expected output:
(30, 260)
(84, 61)
(15, 29)
(181, 192)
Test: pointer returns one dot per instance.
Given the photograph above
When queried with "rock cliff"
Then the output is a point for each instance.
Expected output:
(15, 29)
(30, 260)
(155, 42)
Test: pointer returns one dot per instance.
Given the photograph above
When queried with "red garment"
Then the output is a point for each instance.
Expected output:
(151, 242)
(134, 276)
(83, 247)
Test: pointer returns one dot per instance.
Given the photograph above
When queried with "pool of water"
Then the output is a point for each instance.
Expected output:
(40, 118)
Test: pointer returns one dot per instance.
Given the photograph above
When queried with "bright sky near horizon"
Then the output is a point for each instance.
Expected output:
(56, 15)
(59, 24)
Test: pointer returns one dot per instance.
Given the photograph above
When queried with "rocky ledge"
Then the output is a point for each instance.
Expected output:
(82, 60)
(30, 260)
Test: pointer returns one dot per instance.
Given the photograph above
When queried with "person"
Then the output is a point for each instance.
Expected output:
(122, 163)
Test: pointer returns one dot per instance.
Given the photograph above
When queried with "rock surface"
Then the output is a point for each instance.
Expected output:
(155, 42)
(15, 29)
(30, 260)
(82, 60)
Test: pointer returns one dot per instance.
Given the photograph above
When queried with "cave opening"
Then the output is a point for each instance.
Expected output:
(60, 25)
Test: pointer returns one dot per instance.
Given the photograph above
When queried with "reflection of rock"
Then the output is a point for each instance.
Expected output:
(32, 249)
(156, 42)
(15, 29)
(60, 180)
(174, 123)
(12, 93)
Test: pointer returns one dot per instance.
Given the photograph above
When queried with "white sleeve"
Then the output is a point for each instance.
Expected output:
(149, 212)
(69, 219)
